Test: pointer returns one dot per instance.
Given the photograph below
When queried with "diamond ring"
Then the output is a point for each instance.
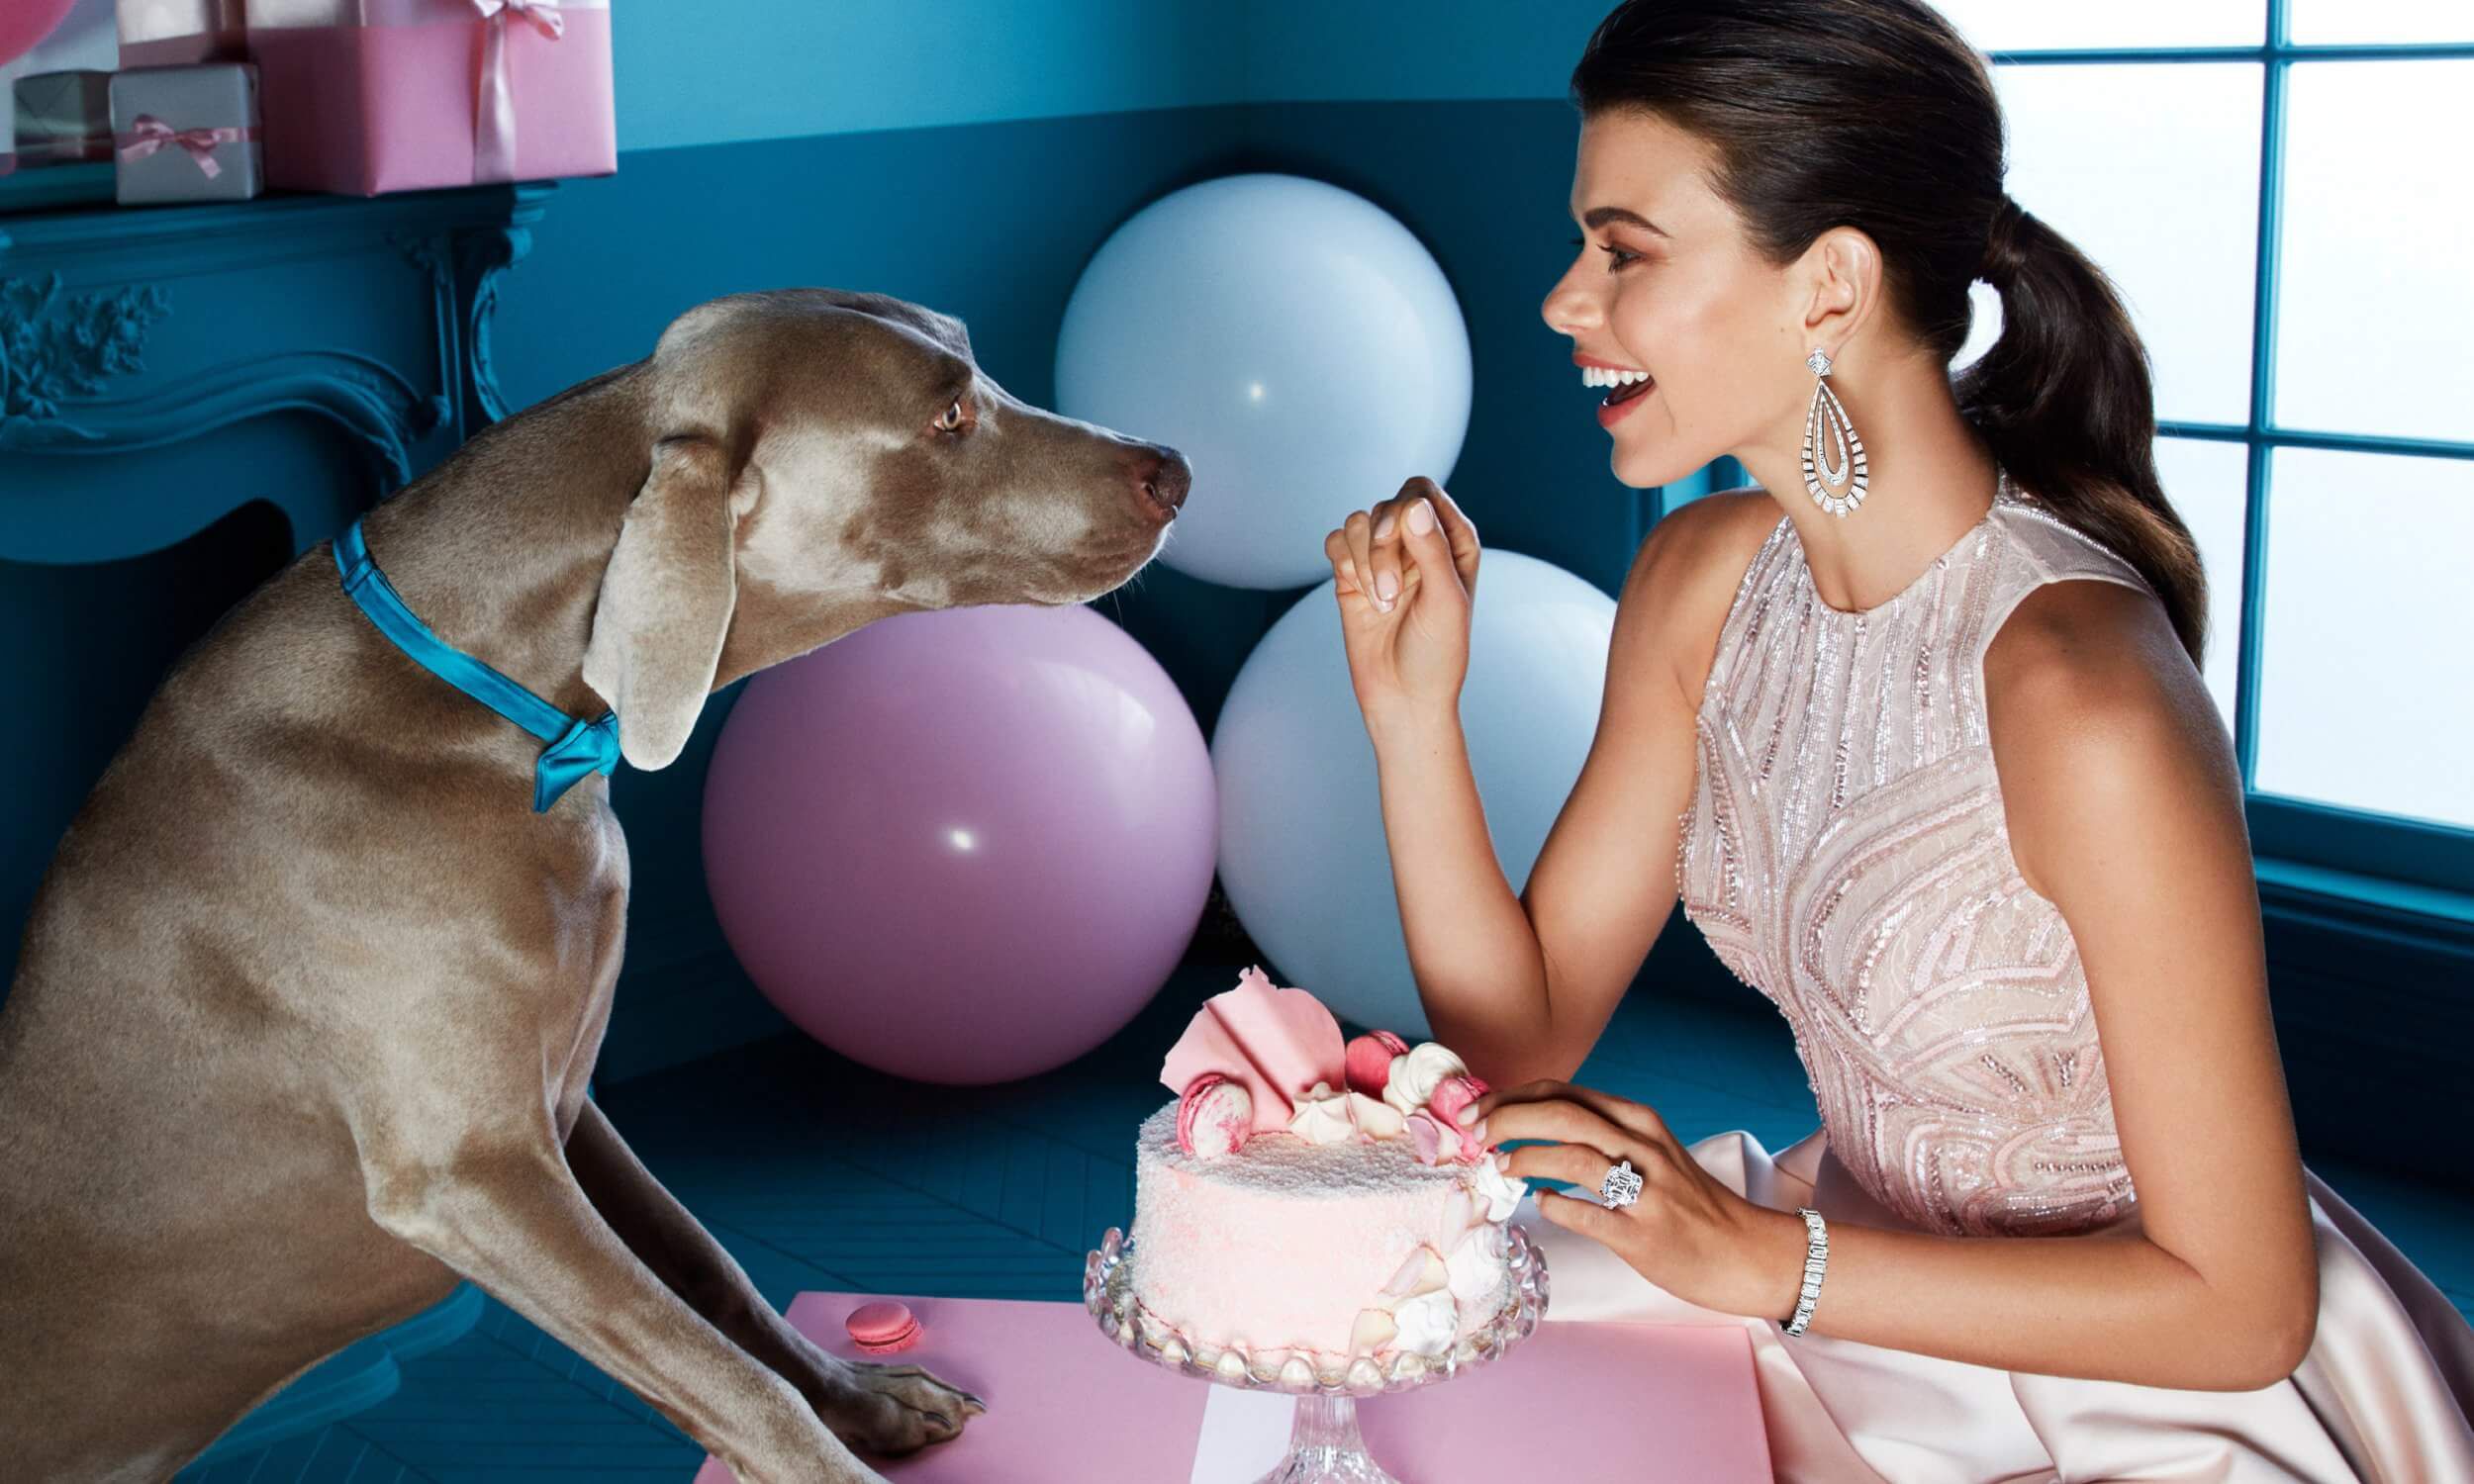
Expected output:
(1622, 1185)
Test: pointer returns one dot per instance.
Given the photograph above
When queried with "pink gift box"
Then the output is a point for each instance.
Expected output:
(171, 32)
(364, 97)
(1067, 1406)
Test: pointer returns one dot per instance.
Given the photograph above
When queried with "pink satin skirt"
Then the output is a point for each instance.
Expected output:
(2384, 1396)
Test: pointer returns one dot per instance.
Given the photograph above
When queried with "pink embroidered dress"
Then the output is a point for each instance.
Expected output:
(1845, 853)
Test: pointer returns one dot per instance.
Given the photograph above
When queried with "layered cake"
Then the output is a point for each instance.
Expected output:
(1309, 1209)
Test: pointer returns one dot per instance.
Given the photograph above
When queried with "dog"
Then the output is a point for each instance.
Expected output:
(310, 991)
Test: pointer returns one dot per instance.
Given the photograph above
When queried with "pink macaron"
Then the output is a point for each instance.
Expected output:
(884, 1327)
(1368, 1061)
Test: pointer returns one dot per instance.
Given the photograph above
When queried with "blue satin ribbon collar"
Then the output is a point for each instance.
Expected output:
(576, 747)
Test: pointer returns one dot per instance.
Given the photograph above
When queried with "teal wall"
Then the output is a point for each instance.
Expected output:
(704, 73)
(1349, 51)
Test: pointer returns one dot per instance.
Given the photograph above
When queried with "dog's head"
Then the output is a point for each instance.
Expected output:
(820, 459)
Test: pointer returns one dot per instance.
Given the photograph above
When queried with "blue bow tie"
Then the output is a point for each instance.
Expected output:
(576, 747)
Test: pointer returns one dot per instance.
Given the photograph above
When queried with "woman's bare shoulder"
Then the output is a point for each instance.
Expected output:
(1684, 578)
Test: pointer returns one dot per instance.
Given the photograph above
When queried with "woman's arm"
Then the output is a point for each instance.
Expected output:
(1522, 987)
(2124, 810)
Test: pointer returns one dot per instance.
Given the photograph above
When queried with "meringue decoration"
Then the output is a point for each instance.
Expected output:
(1415, 1076)
(1322, 1116)
(1476, 1267)
(1369, 1061)
(1375, 1118)
(1428, 1322)
(1215, 1118)
(1502, 1192)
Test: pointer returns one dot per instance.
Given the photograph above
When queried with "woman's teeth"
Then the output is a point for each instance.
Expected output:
(1625, 385)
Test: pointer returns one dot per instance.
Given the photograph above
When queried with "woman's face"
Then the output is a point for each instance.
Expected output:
(1665, 282)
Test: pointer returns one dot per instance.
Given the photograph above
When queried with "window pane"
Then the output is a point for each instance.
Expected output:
(2374, 301)
(2366, 695)
(2153, 172)
(2008, 25)
(2205, 481)
(2320, 22)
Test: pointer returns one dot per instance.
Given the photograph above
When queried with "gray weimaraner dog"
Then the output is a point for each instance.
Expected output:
(310, 992)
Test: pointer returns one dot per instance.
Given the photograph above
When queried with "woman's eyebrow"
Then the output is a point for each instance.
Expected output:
(1599, 215)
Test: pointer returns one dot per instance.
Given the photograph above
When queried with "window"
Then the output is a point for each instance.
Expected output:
(2277, 188)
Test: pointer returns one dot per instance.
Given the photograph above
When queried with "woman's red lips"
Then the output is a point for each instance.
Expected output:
(1622, 399)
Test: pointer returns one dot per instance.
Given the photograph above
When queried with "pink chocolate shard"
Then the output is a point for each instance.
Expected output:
(1453, 1093)
(1370, 1062)
(1275, 1043)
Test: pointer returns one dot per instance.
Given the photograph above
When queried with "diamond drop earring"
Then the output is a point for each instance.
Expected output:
(1850, 448)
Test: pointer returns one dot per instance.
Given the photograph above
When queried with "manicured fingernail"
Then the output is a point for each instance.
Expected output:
(1467, 1116)
(1382, 527)
(1387, 587)
(1422, 516)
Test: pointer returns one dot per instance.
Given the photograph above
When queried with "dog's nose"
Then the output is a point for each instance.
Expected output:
(1161, 479)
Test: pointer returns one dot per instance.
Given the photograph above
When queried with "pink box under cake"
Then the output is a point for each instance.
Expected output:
(1280, 1245)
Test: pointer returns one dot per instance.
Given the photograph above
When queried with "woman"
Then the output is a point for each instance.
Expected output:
(1916, 729)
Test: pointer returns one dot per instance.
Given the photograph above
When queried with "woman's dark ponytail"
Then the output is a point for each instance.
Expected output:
(1875, 114)
(2064, 399)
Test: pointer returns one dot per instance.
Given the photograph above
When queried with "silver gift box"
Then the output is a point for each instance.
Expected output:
(187, 134)
(63, 118)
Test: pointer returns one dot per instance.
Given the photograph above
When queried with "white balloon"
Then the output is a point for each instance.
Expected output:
(1303, 855)
(1294, 340)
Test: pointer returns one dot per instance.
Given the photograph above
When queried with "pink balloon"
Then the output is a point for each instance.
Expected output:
(23, 23)
(962, 846)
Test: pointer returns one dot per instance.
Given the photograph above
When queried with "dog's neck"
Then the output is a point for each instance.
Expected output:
(500, 549)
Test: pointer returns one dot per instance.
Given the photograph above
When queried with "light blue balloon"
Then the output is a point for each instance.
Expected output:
(1294, 341)
(1302, 851)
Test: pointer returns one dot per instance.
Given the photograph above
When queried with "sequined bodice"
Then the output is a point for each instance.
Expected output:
(1847, 854)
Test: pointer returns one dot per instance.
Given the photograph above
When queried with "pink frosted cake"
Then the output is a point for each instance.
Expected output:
(1308, 1210)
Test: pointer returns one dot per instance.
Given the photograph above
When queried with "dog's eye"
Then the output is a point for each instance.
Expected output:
(952, 420)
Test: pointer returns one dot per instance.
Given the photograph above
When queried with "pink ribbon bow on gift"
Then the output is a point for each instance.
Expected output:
(148, 134)
(493, 128)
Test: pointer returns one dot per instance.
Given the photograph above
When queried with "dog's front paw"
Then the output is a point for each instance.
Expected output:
(890, 1410)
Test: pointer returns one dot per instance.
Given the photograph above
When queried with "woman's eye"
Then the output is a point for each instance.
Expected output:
(1618, 256)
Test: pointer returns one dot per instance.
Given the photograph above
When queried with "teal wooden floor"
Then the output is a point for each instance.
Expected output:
(818, 1174)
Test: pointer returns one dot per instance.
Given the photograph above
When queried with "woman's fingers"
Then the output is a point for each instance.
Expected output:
(1344, 568)
(1562, 1122)
(1387, 557)
(1360, 529)
(1637, 1120)
(1430, 551)
(1573, 1163)
(1459, 531)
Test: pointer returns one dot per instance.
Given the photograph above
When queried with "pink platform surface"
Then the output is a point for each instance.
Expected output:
(1065, 1403)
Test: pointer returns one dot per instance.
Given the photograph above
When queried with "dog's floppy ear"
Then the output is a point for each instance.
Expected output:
(666, 601)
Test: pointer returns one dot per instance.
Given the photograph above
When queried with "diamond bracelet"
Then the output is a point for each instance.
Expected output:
(1816, 1258)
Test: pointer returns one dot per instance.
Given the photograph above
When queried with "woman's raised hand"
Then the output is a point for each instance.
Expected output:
(1405, 573)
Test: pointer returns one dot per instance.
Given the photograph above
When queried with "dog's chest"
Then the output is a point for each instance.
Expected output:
(594, 913)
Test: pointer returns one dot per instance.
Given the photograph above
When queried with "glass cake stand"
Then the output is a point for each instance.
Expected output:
(1324, 1447)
